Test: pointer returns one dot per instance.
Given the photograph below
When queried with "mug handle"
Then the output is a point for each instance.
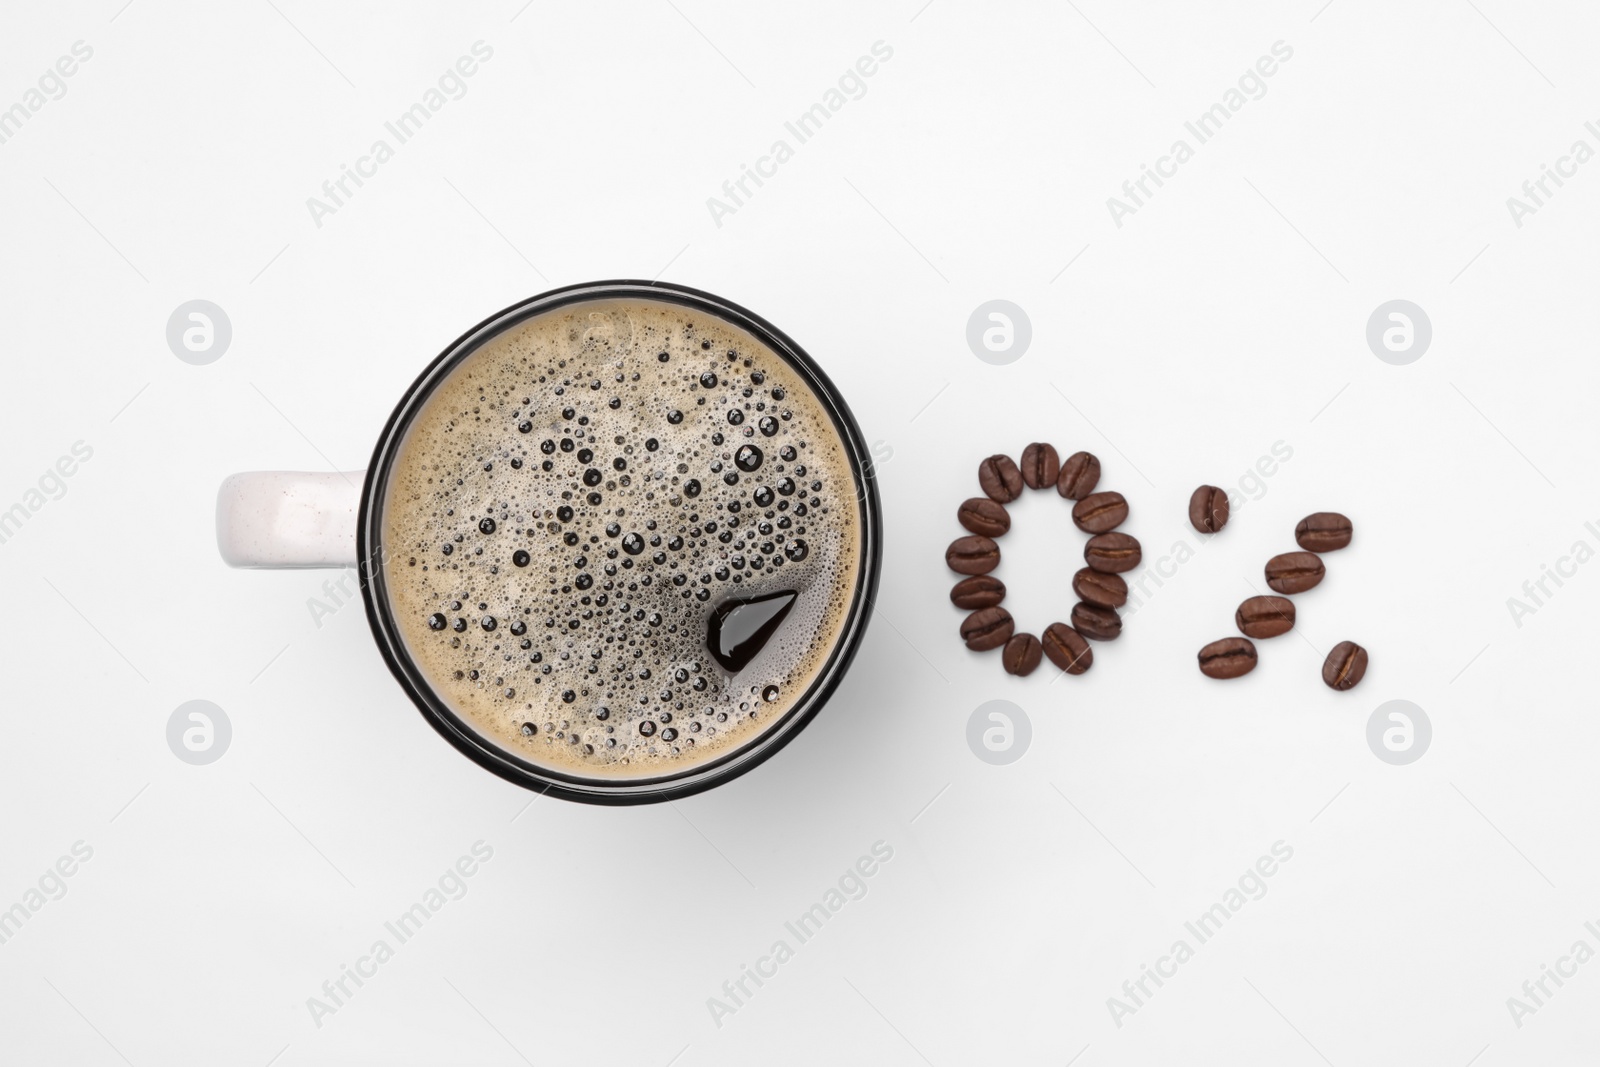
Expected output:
(287, 520)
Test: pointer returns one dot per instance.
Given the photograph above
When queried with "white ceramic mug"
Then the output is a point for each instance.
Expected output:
(290, 519)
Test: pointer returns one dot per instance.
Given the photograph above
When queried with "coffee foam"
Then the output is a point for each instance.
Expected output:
(592, 643)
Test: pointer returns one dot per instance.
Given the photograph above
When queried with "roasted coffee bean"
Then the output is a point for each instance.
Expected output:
(1021, 654)
(979, 591)
(1323, 532)
(987, 628)
(1041, 466)
(1294, 572)
(972, 555)
(1100, 512)
(1067, 649)
(1265, 616)
(1112, 553)
(1080, 473)
(1345, 666)
(1106, 590)
(983, 516)
(1228, 658)
(1095, 622)
(1208, 509)
(1000, 479)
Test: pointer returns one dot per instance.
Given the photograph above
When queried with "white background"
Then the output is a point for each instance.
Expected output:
(1227, 314)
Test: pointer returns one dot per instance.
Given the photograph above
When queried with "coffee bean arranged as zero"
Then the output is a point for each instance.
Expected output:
(987, 628)
(1265, 616)
(1000, 479)
(972, 555)
(983, 516)
(1106, 590)
(1080, 473)
(1208, 509)
(1095, 622)
(1112, 553)
(1041, 466)
(979, 591)
(1230, 657)
(1345, 666)
(1021, 654)
(1100, 512)
(1326, 531)
(1067, 649)
(1294, 572)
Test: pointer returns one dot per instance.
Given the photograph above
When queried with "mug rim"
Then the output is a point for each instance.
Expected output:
(460, 733)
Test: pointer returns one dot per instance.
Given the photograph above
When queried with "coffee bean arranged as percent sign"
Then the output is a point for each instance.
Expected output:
(1325, 531)
(1230, 657)
(1000, 479)
(973, 555)
(1067, 649)
(1208, 509)
(1021, 654)
(983, 516)
(1294, 572)
(1100, 512)
(1040, 465)
(1112, 553)
(1106, 590)
(987, 628)
(1265, 616)
(979, 591)
(1345, 666)
(1095, 622)
(1080, 473)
